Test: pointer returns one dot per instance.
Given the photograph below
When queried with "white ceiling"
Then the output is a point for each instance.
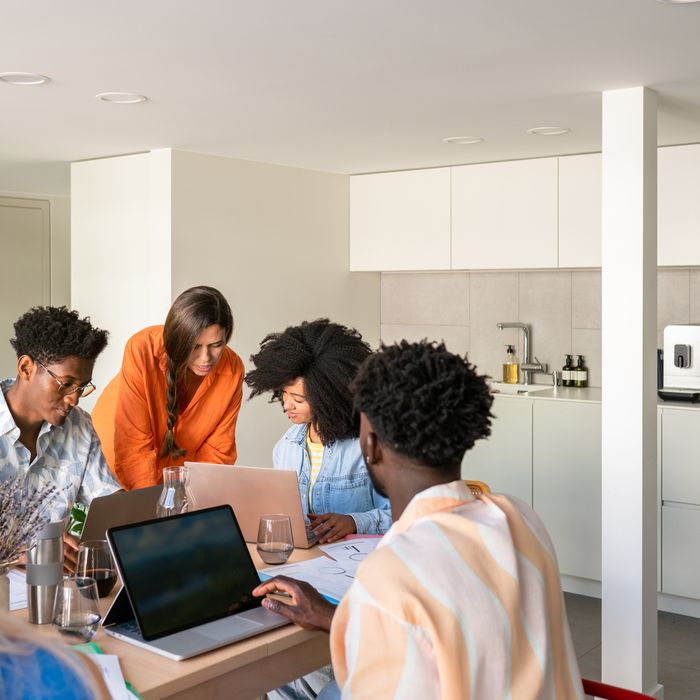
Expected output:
(345, 86)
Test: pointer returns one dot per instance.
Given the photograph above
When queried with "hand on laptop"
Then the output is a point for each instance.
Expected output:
(331, 527)
(306, 607)
(70, 553)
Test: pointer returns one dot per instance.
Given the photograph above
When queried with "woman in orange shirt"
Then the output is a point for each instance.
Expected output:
(179, 391)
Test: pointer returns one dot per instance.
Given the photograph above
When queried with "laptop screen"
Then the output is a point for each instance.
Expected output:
(185, 570)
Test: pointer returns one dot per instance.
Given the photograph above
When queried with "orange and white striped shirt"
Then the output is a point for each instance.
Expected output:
(460, 601)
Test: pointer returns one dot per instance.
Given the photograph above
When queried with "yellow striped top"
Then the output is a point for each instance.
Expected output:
(315, 450)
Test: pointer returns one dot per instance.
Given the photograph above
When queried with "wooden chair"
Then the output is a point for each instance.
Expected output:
(477, 487)
(611, 692)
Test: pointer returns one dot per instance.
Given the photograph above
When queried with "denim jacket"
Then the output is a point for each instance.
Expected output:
(343, 485)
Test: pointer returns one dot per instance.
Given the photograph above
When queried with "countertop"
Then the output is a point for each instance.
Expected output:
(592, 394)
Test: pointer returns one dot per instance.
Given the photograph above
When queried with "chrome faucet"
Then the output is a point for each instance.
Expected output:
(528, 368)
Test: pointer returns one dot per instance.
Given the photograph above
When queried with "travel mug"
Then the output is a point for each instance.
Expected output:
(44, 571)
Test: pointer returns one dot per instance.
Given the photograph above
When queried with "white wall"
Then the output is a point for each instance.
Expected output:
(274, 240)
(120, 251)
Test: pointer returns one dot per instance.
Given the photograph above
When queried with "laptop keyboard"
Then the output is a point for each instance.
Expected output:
(311, 536)
(129, 629)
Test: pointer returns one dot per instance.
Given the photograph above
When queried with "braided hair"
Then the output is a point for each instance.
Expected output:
(424, 402)
(192, 312)
(326, 356)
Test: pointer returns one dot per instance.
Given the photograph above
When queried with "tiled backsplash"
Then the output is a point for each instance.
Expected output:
(562, 309)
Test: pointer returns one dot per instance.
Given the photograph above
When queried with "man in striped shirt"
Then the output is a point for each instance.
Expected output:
(462, 598)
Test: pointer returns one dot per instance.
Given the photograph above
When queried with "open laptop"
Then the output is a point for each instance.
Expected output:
(120, 508)
(187, 585)
(252, 492)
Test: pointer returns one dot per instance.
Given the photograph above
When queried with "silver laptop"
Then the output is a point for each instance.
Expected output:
(187, 585)
(120, 508)
(252, 492)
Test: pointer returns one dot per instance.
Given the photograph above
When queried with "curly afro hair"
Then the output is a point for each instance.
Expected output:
(49, 334)
(424, 402)
(326, 356)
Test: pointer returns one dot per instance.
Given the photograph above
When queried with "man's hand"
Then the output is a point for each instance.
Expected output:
(306, 606)
(331, 527)
(70, 553)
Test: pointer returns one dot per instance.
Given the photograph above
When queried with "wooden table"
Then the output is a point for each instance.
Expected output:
(239, 671)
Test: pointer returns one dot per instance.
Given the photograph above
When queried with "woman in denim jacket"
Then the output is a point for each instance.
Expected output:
(309, 368)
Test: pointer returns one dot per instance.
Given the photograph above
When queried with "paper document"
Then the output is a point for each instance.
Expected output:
(330, 578)
(112, 675)
(351, 553)
(18, 589)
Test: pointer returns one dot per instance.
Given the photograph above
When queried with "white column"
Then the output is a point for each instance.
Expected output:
(120, 249)
(629, 512)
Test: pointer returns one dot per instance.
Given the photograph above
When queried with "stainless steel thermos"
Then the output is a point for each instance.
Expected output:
(44, 571)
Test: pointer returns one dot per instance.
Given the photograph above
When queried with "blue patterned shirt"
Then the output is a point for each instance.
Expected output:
(68, 456)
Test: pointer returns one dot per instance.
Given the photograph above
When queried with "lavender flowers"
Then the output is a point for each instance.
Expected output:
(21, 517)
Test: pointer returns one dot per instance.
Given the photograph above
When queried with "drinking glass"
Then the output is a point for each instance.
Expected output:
(95, 561)
(76, 614)
(176, 496)
(275, 542)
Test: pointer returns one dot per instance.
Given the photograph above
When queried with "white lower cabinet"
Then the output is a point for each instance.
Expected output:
(567, 482)
(504, 460)
(680, 551)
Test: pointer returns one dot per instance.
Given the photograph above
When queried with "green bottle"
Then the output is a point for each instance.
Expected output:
(567, 372)
(580, 373)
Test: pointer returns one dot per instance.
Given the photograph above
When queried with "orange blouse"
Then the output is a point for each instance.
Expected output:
(206, 429)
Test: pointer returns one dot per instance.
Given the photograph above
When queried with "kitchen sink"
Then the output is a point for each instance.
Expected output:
(502, 388)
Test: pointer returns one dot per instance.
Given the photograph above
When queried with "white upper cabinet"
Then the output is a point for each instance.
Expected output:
(504, 215)
(679, 205)
(400, 221)
(580, 210)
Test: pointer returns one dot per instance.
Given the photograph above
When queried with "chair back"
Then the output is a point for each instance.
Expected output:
(477, 487)
(611, 692)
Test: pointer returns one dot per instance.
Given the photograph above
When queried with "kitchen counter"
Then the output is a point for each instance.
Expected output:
(556, 393)
(592, 394)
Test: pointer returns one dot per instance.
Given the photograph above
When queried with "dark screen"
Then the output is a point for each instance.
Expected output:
(185, 570)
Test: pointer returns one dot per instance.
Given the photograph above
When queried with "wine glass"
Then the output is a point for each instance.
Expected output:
(95, 561)
(76, 614)
(275, 542)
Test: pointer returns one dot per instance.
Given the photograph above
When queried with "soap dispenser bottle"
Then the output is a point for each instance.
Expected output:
(567, 372)
(511, 366)
(580, 373)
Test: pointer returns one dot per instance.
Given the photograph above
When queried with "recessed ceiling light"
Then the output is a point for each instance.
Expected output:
(677, 2)
(463, 140)
(24, 78)
(549, 130)
(121, 98)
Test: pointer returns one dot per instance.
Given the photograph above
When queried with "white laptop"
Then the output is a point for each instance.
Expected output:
(187, 585)
(252, 492)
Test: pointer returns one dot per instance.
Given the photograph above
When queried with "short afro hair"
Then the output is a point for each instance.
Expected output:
(424, 402)
(326, 356)
(49, 334)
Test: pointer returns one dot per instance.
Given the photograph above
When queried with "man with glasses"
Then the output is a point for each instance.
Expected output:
(44, 437)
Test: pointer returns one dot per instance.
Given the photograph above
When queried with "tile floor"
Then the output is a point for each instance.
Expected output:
(679, 647)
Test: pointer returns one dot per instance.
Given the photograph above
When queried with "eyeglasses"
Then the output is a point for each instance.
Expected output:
(67, 388)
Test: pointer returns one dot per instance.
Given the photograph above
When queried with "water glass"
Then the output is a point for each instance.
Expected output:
(275, 542)
(95, 561)
(76, 613)
(176, 496)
